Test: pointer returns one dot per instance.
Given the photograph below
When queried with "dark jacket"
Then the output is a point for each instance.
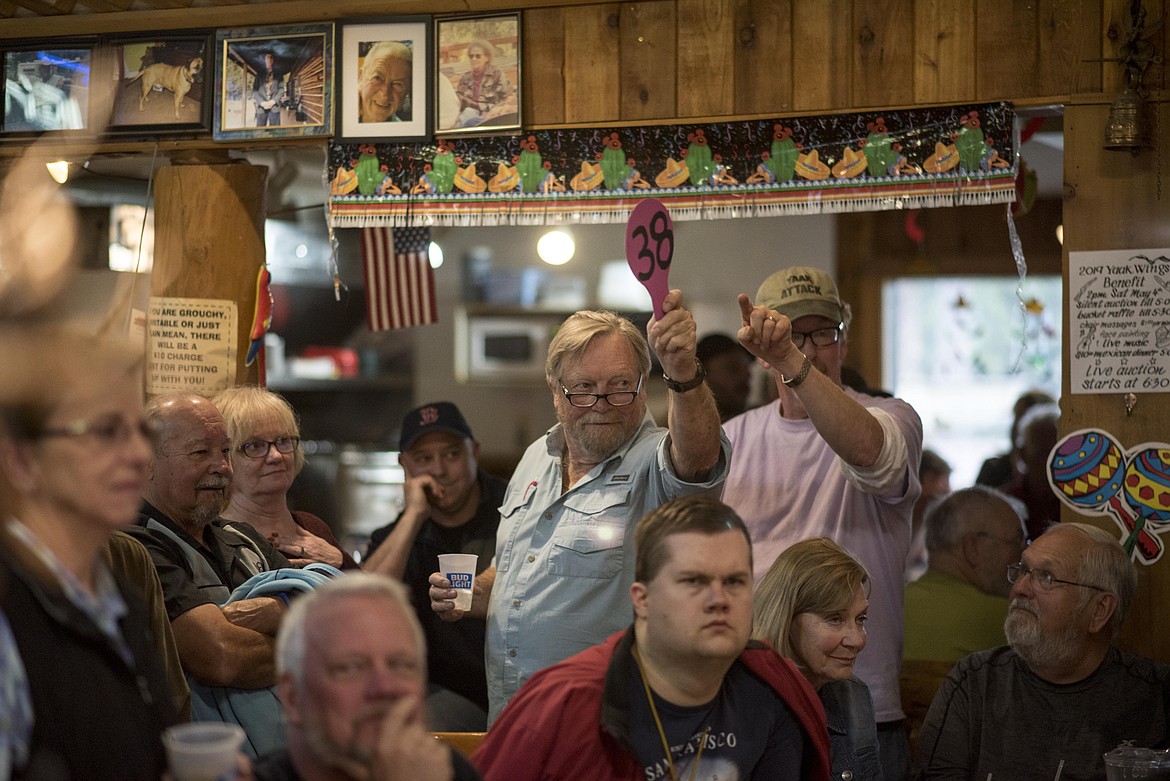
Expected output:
(582, 707)
(95, 715)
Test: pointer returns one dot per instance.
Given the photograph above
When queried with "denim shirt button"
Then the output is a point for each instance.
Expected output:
(846, 775)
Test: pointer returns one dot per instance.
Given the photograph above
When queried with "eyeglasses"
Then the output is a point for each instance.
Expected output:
(110, 431)
(259, 448)
(1042, 578)
(822, 337)
(615, 399)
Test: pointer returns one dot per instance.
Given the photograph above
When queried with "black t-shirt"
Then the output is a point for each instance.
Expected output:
(749, 733)
(454, 649)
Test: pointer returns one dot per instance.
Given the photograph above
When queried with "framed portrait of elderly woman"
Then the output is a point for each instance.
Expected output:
(274, 82)
(478, 85)
(384, 69)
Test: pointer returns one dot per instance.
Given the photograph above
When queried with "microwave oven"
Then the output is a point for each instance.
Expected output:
(503, 347)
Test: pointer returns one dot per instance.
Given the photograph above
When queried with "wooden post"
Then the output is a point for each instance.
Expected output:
(209, 247)
(1118, 201)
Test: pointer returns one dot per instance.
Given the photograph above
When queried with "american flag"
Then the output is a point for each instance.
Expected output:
(400, 284)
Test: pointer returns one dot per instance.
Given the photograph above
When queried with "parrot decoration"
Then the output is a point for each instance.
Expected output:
(262, 319)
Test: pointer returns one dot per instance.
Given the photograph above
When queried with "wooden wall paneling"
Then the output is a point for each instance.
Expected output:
(944, 51)
(763, 56)
(1110, 27)
(1068, 40)
(649, 36)
(822, 54)
(1119, 201)
(1158, 76)
(543, 48)
(592, 63)
(883, 53)
(706, 61)
(1110, 37)
(1006, 56)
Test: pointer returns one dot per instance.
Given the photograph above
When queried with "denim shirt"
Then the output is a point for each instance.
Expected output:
(565, 560)
(853, 743)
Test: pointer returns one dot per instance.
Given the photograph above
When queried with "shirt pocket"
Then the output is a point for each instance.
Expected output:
(512, 514)
(589, 541)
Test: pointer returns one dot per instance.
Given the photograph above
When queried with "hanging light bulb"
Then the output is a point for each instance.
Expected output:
(556, 248)
(435, 255)
(59, 170)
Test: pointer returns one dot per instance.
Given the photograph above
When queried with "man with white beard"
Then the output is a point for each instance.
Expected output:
(1061, 694)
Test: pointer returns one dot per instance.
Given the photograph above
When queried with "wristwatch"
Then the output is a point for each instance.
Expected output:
(683, 387)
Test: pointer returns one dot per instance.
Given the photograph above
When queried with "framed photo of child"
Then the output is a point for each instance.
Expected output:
(477, 88)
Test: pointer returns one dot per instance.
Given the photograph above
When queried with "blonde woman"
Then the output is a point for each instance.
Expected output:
(811, 606)
(266, 457)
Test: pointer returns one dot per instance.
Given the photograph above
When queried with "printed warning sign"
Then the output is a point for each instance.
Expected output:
(191, 345)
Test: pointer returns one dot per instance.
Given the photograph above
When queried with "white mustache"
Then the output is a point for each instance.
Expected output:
(217, 484)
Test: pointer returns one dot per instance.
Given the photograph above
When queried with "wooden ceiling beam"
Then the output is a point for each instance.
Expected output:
(41, 9)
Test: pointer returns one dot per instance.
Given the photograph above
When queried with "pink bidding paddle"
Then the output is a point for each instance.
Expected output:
(649, 249)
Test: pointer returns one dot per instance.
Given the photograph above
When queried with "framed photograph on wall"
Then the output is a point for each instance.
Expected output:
(274, 82)
(162, 83)
(46, 87)
(477, 88)
(384, 69)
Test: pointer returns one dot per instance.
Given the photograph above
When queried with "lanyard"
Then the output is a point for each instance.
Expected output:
(662, 732)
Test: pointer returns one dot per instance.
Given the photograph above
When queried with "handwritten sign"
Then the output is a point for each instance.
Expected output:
(650, 248)
(1119, 317)
(191, 345)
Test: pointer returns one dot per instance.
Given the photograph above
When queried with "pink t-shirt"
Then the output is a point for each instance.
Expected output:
(788, 485)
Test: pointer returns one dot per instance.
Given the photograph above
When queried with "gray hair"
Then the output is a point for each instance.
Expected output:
(578, 332)
(1105, 565)
(291, 641)
(960, 513)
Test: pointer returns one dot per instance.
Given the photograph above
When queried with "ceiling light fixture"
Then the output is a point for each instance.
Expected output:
(59, 170)
(556, 248)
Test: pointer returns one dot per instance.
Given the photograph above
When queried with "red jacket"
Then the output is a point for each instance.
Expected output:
(570, 722)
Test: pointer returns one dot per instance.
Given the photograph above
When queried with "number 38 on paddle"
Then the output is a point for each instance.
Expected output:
(649, 249)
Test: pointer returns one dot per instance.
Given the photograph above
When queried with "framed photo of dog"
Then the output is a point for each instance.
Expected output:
(385, 78)
(273, 82)
(162, 83)
(477, 89)
(47, 87)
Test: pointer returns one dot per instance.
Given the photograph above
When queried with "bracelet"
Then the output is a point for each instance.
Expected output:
(799, 378)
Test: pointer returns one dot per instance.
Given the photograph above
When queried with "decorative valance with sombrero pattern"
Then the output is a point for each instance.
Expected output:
(920, 158)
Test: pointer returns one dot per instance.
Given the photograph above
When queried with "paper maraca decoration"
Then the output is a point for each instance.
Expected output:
(650, 248)
(1087, 469)
(1147, 487)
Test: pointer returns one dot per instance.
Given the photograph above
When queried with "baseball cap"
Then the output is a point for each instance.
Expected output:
(439, 416)
(800, 291)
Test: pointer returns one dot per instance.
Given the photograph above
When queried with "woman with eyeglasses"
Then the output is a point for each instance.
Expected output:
(811, 607)
(83, 692)
(266, 457)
